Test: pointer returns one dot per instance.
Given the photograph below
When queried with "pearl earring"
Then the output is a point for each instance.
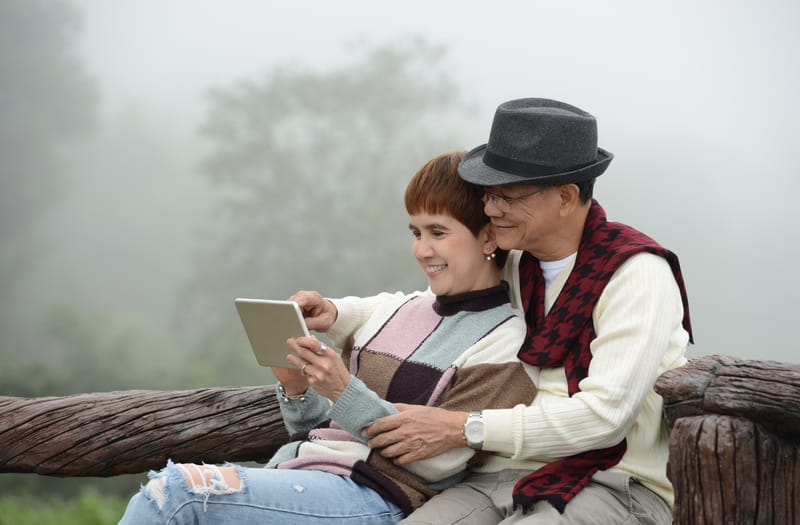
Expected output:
(490, 256)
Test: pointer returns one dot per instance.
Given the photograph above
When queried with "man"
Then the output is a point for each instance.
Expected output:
(606, 311)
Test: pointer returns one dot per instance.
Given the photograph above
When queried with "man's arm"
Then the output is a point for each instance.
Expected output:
(638, 322)
(492, 377)
(639, 335)
(417, 432)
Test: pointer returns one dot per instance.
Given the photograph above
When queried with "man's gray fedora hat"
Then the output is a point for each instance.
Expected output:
(537, 141)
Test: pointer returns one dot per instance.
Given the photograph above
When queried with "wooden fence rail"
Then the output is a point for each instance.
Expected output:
(105, 434)
(734, 443)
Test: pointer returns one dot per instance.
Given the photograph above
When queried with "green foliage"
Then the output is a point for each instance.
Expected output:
(224, 359)
(90, 508)
(312, 166)
(94, 352)
(100, 351)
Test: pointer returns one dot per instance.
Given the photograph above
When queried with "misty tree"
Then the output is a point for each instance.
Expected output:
(46, 99)
(311, 167)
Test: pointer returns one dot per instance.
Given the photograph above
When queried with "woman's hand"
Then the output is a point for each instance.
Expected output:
(319, 313)
(320, 366)
(416, 432)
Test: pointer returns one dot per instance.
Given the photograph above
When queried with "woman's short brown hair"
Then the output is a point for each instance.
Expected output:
(437, 188)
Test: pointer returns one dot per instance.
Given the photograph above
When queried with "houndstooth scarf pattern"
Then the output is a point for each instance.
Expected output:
(562, 339)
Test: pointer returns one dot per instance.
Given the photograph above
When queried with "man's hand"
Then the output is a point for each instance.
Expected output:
(319, 313)
(416, 432)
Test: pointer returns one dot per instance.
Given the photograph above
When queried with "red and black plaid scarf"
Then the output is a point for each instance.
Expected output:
(562, 339)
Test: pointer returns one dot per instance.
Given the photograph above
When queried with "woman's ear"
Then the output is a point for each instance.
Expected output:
(486, 235)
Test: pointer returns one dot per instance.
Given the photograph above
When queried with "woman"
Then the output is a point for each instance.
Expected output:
(453, 345)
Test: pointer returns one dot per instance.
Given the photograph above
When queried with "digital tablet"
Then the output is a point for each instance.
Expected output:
(268, 324)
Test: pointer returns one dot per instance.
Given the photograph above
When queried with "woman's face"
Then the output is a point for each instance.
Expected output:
(453, 260)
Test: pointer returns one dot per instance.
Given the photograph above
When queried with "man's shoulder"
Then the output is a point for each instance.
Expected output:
(644, 269)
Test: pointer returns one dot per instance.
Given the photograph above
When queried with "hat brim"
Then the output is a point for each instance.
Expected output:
(473, 169)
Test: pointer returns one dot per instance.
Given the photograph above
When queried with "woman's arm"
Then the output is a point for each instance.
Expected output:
(354, 312)
(303, 407)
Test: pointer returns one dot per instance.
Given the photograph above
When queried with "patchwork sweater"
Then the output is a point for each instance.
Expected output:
(457, 352)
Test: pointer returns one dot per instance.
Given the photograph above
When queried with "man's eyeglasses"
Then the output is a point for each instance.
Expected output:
(503, 203)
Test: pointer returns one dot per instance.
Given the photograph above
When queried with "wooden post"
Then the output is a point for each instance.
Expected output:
(735, 441)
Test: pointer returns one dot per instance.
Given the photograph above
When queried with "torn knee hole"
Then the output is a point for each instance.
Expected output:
(156, 489)
(211, 479)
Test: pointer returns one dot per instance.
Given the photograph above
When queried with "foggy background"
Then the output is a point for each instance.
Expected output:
(163, 157)
(159, 158)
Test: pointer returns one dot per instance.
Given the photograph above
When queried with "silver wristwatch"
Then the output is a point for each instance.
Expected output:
(473, 430)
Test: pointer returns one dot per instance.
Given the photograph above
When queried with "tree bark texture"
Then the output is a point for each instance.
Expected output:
(105, 434)
(735, 441)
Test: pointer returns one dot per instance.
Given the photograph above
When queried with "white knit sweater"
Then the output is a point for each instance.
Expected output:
(638, 322)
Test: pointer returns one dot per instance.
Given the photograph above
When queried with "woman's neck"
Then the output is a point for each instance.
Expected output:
(472, 301)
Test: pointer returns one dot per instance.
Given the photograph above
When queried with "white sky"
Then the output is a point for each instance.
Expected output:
(720, 70)
(504, 49)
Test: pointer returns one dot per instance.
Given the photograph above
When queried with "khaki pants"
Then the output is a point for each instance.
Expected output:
(485, 499)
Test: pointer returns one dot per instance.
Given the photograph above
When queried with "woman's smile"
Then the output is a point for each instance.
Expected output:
(435, 269)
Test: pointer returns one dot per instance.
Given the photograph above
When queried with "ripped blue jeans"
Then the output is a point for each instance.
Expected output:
(202, 494)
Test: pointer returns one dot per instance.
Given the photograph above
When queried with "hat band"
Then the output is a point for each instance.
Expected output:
(523, 168)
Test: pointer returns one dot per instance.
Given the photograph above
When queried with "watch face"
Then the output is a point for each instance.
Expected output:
(474, 432)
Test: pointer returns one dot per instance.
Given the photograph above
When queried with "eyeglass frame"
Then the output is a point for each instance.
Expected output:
(507, 201)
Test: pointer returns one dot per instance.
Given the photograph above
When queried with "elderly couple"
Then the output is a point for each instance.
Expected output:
(518, 388)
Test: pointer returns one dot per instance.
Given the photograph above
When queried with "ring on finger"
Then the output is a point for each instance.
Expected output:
(322, 349)
(303, 370)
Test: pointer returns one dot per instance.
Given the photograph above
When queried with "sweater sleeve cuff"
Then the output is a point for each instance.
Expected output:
(303, 412)
(358, 407)
(497, 431)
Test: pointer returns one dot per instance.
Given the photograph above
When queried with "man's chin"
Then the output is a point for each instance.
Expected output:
(504, 243)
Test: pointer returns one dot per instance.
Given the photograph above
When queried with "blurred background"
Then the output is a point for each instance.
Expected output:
(159, 158)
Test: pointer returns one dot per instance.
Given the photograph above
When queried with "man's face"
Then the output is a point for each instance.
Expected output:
(522, 215)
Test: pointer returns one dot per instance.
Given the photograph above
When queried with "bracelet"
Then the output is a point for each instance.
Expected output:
(287, 398)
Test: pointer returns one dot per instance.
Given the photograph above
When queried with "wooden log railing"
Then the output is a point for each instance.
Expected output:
(734, 443)
(734, 448)
(106, 434)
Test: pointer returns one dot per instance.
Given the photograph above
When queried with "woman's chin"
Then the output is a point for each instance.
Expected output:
(436, 288)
